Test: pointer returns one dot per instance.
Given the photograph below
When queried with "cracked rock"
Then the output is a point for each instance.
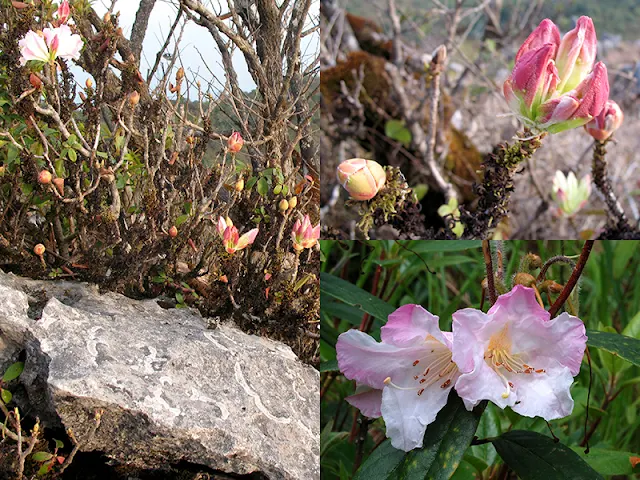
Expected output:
(171, 390)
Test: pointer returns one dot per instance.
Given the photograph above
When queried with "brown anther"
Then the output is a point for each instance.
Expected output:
(416, 362)
(446, 384)
(421, 391)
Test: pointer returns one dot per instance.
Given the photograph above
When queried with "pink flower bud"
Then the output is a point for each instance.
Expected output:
(576, 54)
(546, 32)
(361, 178)
(63, 12)
(39, 249)
(55, 43)
(607, 122)
(579, 106)
(533, 80)
(173, 231)
(304, 235)
(235, 142)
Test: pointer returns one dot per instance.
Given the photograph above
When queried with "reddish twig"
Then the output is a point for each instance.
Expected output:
(573, 279)
(488, 262)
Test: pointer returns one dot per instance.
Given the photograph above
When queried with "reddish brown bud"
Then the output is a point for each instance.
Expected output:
(39, 249)
(35, 81)
(44, 177)
(525, 279)
(173, 232)
(59, 184)
(88, 83)
(134, 98)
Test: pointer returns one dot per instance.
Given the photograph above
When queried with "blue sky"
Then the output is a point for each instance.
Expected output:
(195, 39)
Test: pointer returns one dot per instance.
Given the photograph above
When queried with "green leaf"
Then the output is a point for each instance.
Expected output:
(13, 372)
(625, 347)
(396, 130)
(445, 443)
(179, 297)
(250, 183)
(263, 186)
(607, 462)
(5, 395)
(181, 219)
(41, 456)
(73, 156)
(534, 456)
(355, 296)
(489, 427)
(59, 443)
(427, 246)
(621, 256)
(328, 366)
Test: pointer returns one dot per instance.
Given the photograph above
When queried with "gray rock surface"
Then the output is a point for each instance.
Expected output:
(171, 389)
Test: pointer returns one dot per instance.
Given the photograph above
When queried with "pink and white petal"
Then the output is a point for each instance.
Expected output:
(367, 400)
(363, 359)
(407, 414)
(562, 340)
(468, 324)
(519, 302)
(410, 325)
(482, 383)
(544, 395)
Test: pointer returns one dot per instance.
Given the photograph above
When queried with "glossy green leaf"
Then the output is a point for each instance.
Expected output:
(608, 462)
(354, 296)
(625, 347)
(13, 372)
(534, 456)
(445, 443)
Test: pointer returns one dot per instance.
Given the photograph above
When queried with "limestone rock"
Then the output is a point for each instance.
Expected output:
(170, 389)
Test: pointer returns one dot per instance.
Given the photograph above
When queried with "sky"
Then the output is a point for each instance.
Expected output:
(195, 39)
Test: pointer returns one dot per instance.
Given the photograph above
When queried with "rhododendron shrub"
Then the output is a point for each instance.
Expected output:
(121, 169)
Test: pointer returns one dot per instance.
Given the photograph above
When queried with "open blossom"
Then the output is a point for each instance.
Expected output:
(231, 239)
(50, 44)
(406, 378)
(555, 84)
(515, 355)
(235, 142)
(570, 194)
(361, 178)
(304, 235)
(609, 120)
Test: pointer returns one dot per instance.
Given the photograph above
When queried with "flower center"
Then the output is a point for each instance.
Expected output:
(435, 367)
(499, 357)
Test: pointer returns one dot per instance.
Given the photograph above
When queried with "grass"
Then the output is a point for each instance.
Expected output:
(444, 276)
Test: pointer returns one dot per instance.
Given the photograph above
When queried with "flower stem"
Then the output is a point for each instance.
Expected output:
(600, 178)
(488, 262)
(573, 279)
(497, 184)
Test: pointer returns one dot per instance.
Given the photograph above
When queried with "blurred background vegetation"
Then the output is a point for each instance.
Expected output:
(444, 276)
(619, 17)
